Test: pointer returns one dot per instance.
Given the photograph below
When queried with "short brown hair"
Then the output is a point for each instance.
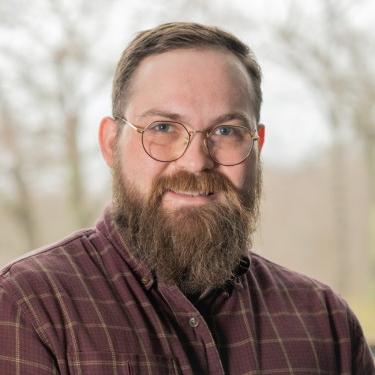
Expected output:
(176, 35)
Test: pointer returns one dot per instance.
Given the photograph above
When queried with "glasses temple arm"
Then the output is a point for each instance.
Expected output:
(126, 122)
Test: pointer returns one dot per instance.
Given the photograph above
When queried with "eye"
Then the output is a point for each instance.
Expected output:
(224, 130)
(162, 127)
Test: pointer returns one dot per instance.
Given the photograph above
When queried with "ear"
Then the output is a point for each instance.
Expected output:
(261, 134)
(107, 139)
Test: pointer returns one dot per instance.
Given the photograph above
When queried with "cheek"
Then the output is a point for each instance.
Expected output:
(240, 175)
(236, 175)
(137, 167)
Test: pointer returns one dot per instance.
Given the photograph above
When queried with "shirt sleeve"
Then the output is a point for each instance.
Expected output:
(362, 359)
(22, 350)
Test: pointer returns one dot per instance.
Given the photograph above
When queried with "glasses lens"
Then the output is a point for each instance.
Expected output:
(229, 144)
(165, 140)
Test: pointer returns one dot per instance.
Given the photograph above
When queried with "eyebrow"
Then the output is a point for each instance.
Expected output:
(244, 118)
(165, 114)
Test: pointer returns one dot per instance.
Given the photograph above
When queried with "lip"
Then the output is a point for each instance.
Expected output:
(188, 198)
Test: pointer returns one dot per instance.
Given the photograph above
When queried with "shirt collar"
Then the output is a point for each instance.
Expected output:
(237, 280)
(108, 228)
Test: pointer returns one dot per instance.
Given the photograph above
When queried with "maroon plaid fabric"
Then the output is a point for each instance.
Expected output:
(86, 306)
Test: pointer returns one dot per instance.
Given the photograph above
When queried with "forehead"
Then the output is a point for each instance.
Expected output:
(204, 79)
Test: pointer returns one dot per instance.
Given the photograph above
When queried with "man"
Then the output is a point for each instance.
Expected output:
(165, 284)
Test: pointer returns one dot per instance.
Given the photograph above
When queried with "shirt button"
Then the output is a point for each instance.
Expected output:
(145, 280)
(193, 322)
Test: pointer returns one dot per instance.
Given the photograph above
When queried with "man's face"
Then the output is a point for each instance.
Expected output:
(192, 239)
(196, 87)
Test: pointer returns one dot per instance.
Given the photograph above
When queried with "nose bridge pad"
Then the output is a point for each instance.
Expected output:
(204, 133)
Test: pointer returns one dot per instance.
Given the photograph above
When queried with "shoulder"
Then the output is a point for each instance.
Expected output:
(297, 290)
(274, 274)
(295, 302)
(287, 293)
(33, 269)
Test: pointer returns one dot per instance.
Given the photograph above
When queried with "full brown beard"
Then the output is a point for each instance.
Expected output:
(194, 247)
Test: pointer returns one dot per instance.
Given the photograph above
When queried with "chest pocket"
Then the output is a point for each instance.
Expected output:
(107, 363)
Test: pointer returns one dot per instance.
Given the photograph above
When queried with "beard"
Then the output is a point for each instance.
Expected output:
(196, 247)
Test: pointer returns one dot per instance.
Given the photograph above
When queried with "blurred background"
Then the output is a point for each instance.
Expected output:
(57, 59)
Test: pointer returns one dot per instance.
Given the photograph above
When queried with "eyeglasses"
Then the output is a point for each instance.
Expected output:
(167, 141)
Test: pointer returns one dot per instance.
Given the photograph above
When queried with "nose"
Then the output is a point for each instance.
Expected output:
(196, 157)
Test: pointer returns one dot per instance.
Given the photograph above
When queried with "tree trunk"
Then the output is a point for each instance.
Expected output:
(22, 207)
(21, 204)
(75, 184)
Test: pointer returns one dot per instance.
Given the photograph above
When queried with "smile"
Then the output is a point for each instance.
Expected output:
(178, 198)
(193, 193)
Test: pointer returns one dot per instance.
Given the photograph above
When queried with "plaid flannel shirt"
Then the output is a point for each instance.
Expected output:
(86, 306)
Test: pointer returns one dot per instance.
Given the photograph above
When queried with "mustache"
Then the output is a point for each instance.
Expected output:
(207, 181)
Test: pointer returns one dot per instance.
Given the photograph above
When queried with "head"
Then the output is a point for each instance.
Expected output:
(190, 218)
(180, 35)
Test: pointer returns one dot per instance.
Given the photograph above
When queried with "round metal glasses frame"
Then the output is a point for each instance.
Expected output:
(191, 133)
